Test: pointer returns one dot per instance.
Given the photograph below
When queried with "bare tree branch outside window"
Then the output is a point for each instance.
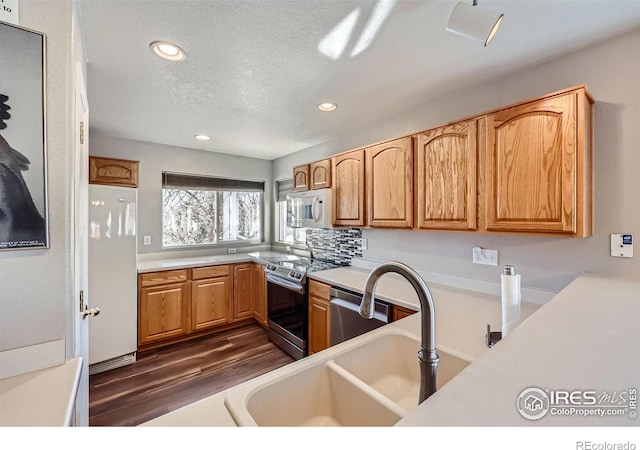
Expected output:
(203, 217)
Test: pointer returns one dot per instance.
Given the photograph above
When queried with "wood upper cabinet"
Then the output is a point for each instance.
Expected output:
(110, 171)
(389, 176)
(319, 317)
(242, 307)
(211, 293)
(301, 178)
(320, 174)
(163, 312)
(445, 177)
(349, 189)
(538, 166)
(259, 293)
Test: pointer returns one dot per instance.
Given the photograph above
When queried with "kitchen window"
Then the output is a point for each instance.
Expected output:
(199, 210)
(287, 235)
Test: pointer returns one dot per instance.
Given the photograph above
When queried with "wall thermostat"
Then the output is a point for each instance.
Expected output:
(622, 245)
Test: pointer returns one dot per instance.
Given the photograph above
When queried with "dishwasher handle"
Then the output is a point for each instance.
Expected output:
(382, 309)
(345, 295)
(381, 314)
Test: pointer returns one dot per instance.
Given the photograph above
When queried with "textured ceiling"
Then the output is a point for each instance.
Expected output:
(256, 70)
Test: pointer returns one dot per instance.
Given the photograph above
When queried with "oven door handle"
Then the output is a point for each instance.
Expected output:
(299, 288)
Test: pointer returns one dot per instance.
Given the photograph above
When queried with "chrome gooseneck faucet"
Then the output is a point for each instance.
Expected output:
(427, 356)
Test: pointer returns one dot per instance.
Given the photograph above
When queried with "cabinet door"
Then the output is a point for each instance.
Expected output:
(390, 184)
(319, 324)
(301, 178)
(163, 312)
(348, 189)
(259, 293)
(110, 171)
(211, 302)
(446, 177)
(320, 173)
(531, 167)
(400, 313)
(319, 317)
(242, 291)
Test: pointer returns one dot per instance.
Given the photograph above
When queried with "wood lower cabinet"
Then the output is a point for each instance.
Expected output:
(211, 298)
(538, 166)
(320, 174)
(114, 172)
(445, 177)
(163, 312)
(259, 293)
(400, 312)
(181, 304)
(389, 176)
(242, 305)
(349, 189)
(319, 317)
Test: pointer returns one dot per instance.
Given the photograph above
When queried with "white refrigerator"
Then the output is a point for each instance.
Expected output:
(112, 276)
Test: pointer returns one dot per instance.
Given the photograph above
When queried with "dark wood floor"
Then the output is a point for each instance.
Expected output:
(168, 378)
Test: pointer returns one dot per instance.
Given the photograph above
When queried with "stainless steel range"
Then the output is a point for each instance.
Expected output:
(287, 302)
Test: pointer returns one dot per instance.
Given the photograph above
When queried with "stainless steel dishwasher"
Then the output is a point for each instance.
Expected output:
(346, 322)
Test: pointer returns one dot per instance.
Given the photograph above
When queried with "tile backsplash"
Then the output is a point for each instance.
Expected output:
(337, 246)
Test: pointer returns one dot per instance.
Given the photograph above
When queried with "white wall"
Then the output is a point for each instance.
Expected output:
(36, 295)
(611, 74)
(156, 158)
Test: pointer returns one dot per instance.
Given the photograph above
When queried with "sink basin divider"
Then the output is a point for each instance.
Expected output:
(365, 388)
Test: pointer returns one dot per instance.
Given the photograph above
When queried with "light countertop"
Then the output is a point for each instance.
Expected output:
(44, 398)
(585, 338)
(173, 263)
(462, 315)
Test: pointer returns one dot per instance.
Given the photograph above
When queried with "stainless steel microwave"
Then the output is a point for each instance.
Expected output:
(310, 209)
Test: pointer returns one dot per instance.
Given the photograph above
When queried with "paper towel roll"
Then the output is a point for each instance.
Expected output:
(510, 303)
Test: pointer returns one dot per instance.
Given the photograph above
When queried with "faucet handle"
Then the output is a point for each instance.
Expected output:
(492, 337)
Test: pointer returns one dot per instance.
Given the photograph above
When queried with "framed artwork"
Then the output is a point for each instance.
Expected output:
(23, 152)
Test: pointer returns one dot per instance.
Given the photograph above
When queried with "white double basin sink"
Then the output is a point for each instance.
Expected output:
(372, 382)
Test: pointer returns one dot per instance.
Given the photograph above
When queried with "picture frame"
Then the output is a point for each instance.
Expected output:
(24, 206)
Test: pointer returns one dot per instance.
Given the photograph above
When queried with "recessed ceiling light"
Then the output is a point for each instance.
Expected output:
(327, 106)
(167, 50)
(202, 137)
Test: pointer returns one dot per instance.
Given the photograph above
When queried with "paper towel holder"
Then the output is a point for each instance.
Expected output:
(492, 337)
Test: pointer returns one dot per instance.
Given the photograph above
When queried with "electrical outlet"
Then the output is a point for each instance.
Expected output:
(231, 251)
(364, 244)
(147, 240)
(485, 256)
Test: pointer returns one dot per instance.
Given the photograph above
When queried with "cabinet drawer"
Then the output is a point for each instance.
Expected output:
(158, 278)
(319, 290)
(201, 273)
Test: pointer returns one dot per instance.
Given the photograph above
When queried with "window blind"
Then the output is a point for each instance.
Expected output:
(172, 180)
(283, 188)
